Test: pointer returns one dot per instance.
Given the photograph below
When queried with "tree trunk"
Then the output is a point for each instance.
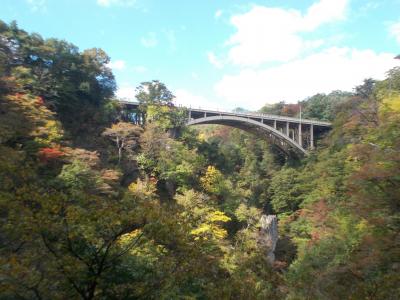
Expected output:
(119, 155)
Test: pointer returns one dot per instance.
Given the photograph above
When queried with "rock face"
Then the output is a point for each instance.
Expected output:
(268, 235)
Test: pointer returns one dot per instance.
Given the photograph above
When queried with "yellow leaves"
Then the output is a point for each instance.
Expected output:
(219, 233)
(143, 188)
(211, 228)
(391, 104)
(350, 228)
(123, 130)
(390, 111)
(362, 226)
(206, 221)
(127, 238)
(161, 114)
(54, 131)
(23, 75)
(218, 216)
(153, 111)
(203, 229)
(22, 116)
(189, 199)
(212, 180)
(50, 133)
(201, 137)
(211, 173)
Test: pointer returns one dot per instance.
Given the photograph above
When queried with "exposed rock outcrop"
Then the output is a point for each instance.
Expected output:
(268, 235)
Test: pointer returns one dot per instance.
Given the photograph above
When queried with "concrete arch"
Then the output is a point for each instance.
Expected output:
(247, 124)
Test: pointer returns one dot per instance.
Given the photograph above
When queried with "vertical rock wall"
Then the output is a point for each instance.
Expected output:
(268, 235)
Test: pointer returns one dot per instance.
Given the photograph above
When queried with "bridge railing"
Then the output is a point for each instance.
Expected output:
(248, 114)
(264, 116)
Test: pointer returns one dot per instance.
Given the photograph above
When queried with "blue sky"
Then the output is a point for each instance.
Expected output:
(224, 53)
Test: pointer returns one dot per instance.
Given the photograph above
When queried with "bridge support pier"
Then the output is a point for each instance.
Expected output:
(300, 136)
(312, 136)
(286, 132)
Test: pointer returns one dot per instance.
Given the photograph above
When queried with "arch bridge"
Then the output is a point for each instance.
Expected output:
(292, 135)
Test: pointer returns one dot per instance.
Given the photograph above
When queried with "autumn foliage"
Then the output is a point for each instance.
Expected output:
(93, 207)
(50, 154)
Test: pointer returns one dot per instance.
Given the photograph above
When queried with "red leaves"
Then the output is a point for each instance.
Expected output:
(290, 110)
(153, 180)
(318, 214)
(49, 154)
(280, 265)
(321, 212)
(222, 132)
(39, 100)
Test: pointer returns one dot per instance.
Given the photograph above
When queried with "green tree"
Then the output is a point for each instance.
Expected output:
(125, 136)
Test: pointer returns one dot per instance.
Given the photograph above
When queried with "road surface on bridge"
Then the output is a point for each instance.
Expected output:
(290, 134)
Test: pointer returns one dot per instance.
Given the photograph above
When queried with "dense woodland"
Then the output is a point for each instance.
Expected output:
(95, 207)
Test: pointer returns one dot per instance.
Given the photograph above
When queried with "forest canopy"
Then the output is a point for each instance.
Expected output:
(94, 206)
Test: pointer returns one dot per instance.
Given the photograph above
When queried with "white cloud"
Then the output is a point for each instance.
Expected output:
(126, 92)
(108, 3)
(394, 30)
(218, 13)
(150, 40)
(117, 65)
(324, 11)
(37, 5)
(212, 58)
(331, 69)
(187, 99)
(266, 34)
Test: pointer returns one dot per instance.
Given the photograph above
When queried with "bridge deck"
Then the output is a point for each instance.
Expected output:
(199, 112)
(292, 135)
(255, 115)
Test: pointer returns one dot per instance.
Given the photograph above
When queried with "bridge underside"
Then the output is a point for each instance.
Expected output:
(272, 135)
(259, 132)
(293, 136)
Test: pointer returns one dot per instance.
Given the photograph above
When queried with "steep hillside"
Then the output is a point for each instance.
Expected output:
(96, 207)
